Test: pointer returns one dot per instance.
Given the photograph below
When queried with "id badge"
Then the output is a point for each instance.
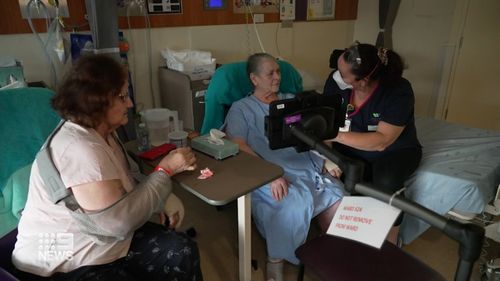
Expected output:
(347, 126)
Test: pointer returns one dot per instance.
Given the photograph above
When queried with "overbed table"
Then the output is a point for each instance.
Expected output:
(234, 178)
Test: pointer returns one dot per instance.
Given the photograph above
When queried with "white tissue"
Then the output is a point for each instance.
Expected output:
(216, 137)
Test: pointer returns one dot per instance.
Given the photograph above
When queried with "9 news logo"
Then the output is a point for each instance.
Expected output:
(55, 246)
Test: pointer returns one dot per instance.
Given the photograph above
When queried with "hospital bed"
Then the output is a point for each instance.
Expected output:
(459, 171)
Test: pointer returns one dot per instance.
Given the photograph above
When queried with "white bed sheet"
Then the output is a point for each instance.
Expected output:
(460, 169)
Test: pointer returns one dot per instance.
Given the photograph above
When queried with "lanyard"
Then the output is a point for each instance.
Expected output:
(357, 109)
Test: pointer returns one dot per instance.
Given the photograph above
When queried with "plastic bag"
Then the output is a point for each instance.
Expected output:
(57, 40)
(197, 64)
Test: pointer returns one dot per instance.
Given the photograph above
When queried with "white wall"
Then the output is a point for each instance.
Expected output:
(306, 45)
(421, 35)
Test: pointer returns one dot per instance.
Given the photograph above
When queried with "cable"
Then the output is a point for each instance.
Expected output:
(131, 43)
(249, 45)
(141, 5)
(39, 4)
(278, 6)
(150, 58)
(255, 29)
(276, 40)
(485, 219)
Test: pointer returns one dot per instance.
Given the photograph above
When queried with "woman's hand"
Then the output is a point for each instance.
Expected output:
(279, 188)
(179, 160)
(173, 219)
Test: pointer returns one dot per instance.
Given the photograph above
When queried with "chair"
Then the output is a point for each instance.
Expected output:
(333, 258)
(7, 243)
(27, 120)
(329, 82)
(230, 83)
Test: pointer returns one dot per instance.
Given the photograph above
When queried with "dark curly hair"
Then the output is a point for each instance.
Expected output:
(368, 61)
(88, 89)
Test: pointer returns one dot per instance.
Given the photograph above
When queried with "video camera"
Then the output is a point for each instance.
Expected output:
(316, 115)
(305, 122)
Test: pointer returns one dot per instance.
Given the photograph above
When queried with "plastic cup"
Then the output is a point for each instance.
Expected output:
(179, 138)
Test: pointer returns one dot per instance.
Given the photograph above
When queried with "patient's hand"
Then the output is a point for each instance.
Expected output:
(333, 169)
(279, 188)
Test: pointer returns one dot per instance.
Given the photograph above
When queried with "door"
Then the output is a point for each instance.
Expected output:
(474, 95)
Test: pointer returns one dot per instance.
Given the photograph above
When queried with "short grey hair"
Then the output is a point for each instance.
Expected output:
(254, 61)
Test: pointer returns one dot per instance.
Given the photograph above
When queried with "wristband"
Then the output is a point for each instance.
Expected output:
(166, 171)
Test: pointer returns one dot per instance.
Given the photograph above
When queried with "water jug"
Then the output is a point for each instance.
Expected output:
(158, 121)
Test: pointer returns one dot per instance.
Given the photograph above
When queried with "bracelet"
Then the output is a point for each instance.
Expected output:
(166, 171)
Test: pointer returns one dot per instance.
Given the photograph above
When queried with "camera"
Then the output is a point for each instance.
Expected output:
(314, 114)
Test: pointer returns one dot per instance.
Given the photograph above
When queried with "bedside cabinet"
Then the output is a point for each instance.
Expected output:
(178, 92)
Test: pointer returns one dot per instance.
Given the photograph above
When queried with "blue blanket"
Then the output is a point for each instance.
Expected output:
(460, 170)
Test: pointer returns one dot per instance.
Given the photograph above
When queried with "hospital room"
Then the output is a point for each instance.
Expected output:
(266, 140)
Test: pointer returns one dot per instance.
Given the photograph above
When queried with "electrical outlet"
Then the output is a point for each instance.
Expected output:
(286, 24)
(258, 18)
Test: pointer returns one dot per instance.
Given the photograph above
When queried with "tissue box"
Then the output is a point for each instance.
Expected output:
(219, 152)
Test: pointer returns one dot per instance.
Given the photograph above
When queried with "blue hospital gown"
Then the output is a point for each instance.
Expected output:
(284, 224)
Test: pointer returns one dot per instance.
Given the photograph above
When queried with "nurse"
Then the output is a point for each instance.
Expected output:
(380, 123)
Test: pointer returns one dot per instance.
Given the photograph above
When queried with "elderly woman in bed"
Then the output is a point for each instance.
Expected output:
(284, 208)
(97, 229)
(380, 124)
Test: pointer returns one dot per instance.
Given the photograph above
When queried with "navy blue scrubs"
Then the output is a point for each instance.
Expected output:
(393, 104)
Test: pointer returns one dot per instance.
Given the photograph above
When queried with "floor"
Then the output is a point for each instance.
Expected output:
(217, 238)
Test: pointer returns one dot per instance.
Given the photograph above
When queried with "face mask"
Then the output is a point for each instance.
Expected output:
(340, 82)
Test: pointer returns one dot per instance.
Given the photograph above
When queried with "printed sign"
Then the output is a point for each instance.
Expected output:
(363, 219)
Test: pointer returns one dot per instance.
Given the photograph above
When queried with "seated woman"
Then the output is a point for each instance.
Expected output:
(85, 218)
(283, 209)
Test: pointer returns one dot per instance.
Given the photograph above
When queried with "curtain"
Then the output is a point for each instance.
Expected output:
(387, 11)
